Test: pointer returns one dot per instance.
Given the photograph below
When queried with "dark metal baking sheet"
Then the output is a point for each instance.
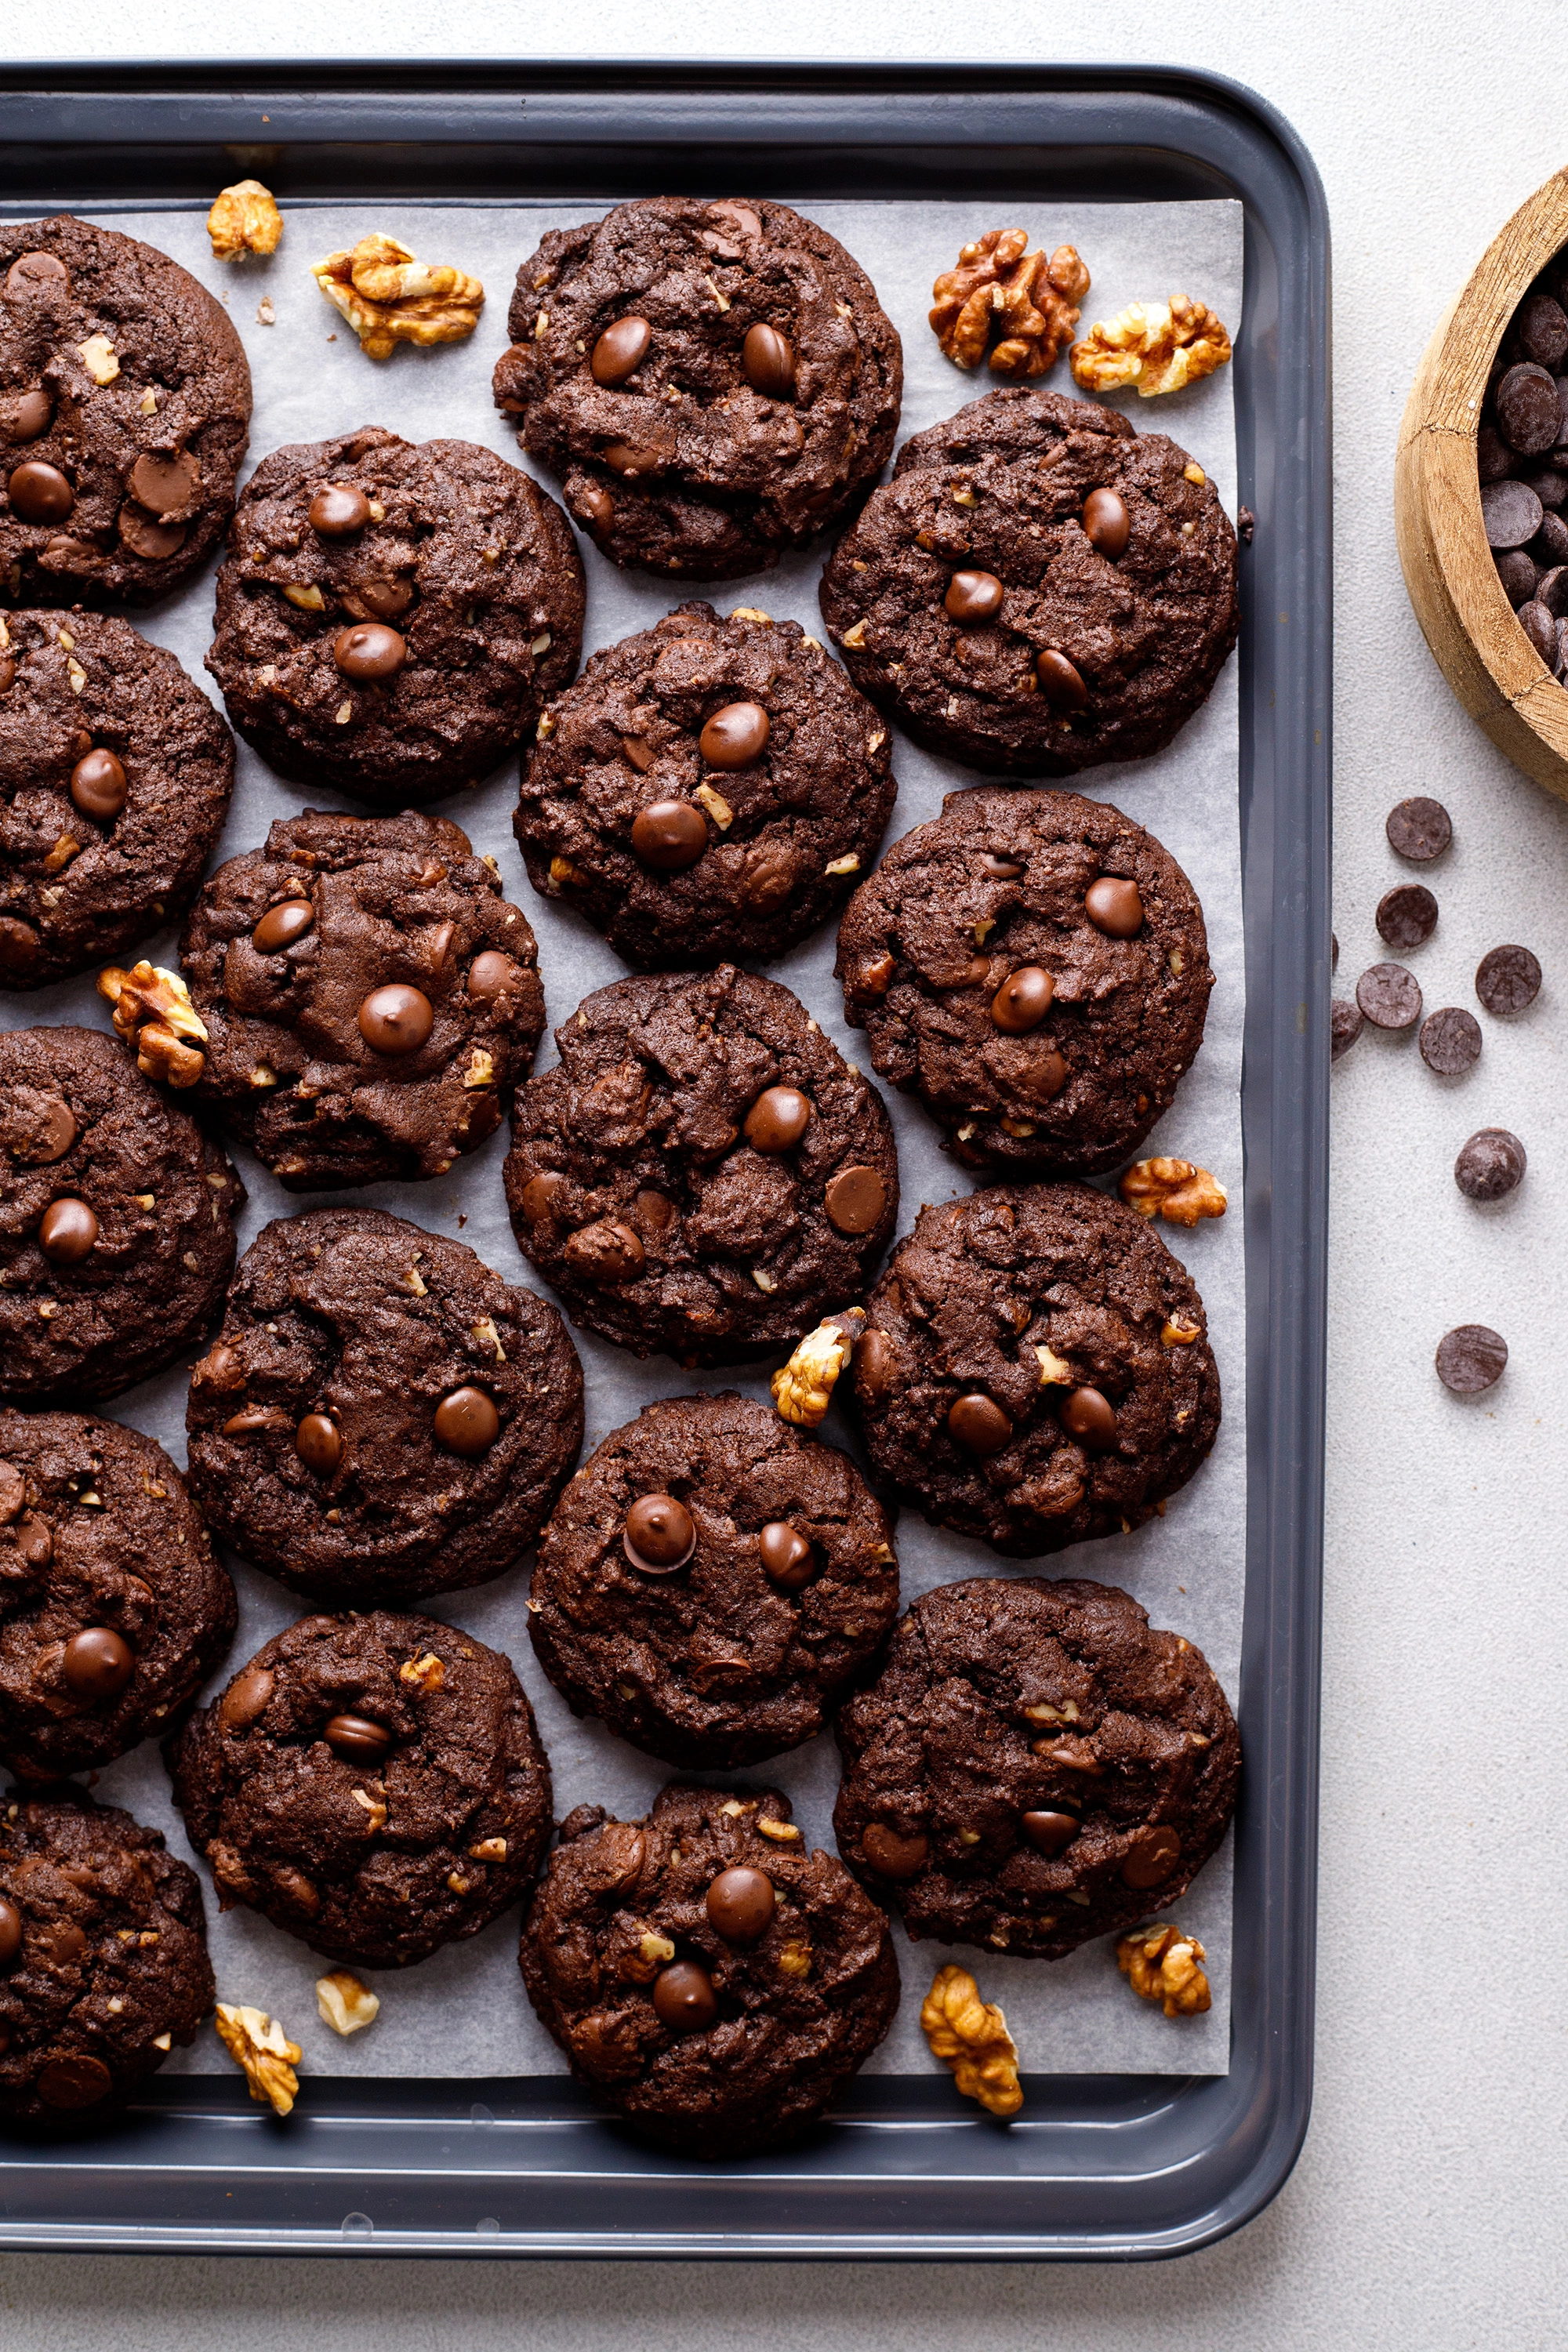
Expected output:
(1099, 2166)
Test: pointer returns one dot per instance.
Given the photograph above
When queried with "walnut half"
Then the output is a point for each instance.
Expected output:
(345, 2004)
(1019, 302)
(153, 1012)
(1162, 1964)
(972, 2035)
(245, 219)
(1158, 346)
(388, 297)
(259, 2044)
(1173, 1188)
(803, 1388)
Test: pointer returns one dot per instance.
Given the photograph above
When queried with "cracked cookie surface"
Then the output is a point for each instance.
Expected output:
(137, 1262)
(115, 778)
(711, 382)
(370, 998)
(111, 1963)
(113, 1608)
(1034, 1766)
(738, 1651)
(777, 1991)
(1045, 1041)
(381, 1416)
(392, 614)
(1072, 650)
(703, 1171)
(124, 413)
(374, 1784)
(623, 782)
(1035, 1368)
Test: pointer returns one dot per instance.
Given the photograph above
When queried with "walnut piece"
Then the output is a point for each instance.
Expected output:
(345, 2004)
(388, 297)
(425, 1672)
(1173, 1188)
(99, 359)
(972, 2035)
(803, 1388)
(1022, 304)
(153, 1012)
(1162, 1964)
(259, 2044)
(245, 219)
(1158, 346)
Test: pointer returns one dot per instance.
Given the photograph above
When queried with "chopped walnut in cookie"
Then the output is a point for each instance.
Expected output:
(972, 2036)
(1021, 303)
(388, 297)
(1162, 1964)
(1173, 1188)
(1158, 346)
(803, 1388)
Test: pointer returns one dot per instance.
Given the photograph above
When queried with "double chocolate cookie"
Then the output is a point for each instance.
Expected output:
(392, 614)
(710, 1583)
(103, 1956)
(703, 1972)
(703, 1172)
(711, 382)
(115, 1220)
(1035, 1370)
(709, 788)
(124, 413)
(372, 1784)
(1039, 588)
(1035, 1765)
(1034, 967)
(113, 1609)
(370, 998)
(115, 777)
(381, 1417)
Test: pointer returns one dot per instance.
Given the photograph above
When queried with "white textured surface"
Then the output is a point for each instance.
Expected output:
(1426, 2213)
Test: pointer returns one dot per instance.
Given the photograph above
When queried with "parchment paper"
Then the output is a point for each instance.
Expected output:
(464, 2010)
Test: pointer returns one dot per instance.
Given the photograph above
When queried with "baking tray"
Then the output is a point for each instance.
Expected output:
(1099, 2167)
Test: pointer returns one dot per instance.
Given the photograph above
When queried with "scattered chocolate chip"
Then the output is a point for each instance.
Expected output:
(145, 536)
(892, 1854)
(10, 1932)
(684, 1998)
(972, 596)
(97, 1665)
(1089, 1417)
(540, 1193)
(606, 1251)
(73, 2081)
(620, 350)
(318, 1441)
(337, 510)
(1061, 682)
(669, 835)
(1050, 1833)
(1508, 979)
(1114, 906)
(1023, 1001)
(1408, 916)
(1107, 524)
(777, 1120)
(467, 1422)
(36, 273)
(979, 1424)
(1526, 410)
(767, 362)
(874, 1365)
(356, 1740)
(40, 492)
(855, 1199)
(1450, 1040)
(788, 1560)
(1389, 996)
(164, 481)
(68, 1231)
(1470, 1358)
(736, 736)
(281, 925)
(1419, 829)
(1510, 513)
(1151, 1860)
(593, 506)
(493, 973)
(26, 415)
(370, 651)
(385, 598)
(1490, 1164)
(33, 1540)
(97, 786)
(739, 1905)
(661, 1535)
(246, 1698)
(396, 1019)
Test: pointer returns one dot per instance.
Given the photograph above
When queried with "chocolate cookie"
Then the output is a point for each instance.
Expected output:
(115, 777)
(381, 1417)
(115, 1220)
(709, 1581)
(113, 1609)
(393, 615)
(1034, 967)
(103, 1956)
(1035, 1368)
(1034, 1766)
(711, 382)
(703, 1972)
(369, 995)
(1039, 588)
(703, 1172)
(372, 1784)
(124, 413)
(709, 788)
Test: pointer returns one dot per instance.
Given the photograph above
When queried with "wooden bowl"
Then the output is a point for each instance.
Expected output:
(1449, 569)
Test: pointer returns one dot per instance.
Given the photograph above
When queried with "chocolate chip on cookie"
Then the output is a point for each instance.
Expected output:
(1034, 1766)
(392, 614)
(712, 383)
(704, 1973)
(115, 1220)
(709, 788)
(703, 1171)
(711, 1581)
(370, 998)
(381, 1417)
(1034, 967)
(372, 1850)
(1035, 1368)
(1099, 647)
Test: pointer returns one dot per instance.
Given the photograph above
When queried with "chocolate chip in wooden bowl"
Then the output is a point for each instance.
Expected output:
(1408, 916)
(1550, 487)
(1389, 996)
(1345, 1021)
(1450, 1040)
(1470, 1359)
(1510, 513)
(1495, 461)
(1508, 979)
(1540, 330)
(1541, 627)
(1419, 829)
(1518, 575)
(1527, 409)
(1491, 1164)
(1552, 586)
